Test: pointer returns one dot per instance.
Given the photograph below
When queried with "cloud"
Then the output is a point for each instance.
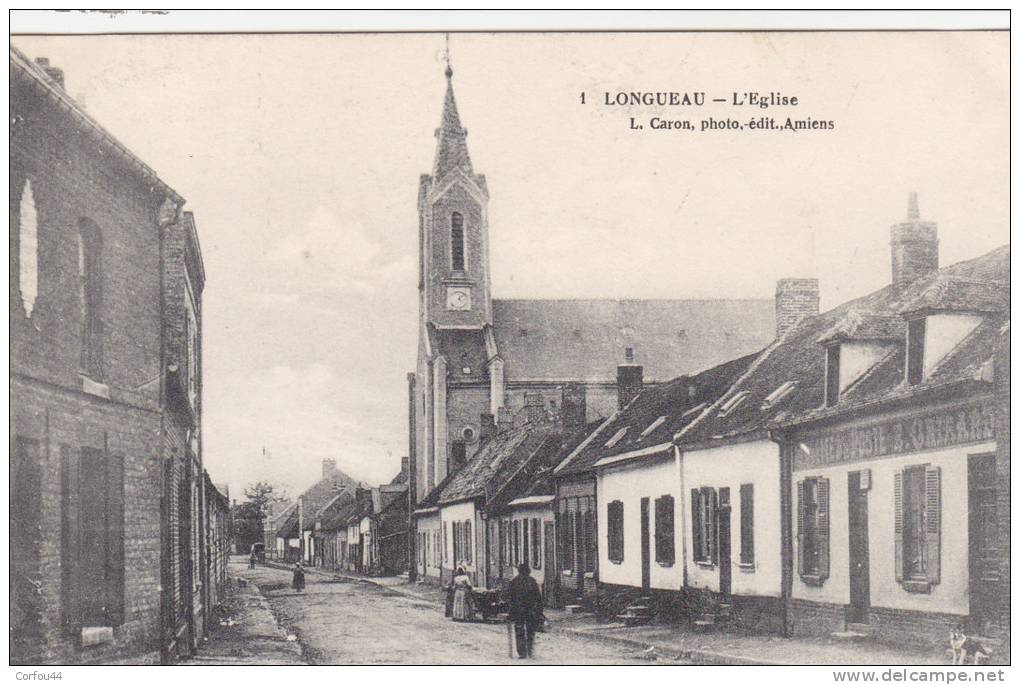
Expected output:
(345, 255)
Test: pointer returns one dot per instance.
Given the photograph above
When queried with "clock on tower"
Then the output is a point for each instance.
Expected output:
(458, 299)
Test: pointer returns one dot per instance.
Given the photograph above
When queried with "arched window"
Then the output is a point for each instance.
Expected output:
(90, 297)
(28, 250)
(457, 241)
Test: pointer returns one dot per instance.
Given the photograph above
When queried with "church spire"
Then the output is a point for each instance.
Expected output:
(451, 151)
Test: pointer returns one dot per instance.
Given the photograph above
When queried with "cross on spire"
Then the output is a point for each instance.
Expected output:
(446, 57)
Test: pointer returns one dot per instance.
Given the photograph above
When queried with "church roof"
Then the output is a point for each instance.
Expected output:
(585, 340)
(451, 149)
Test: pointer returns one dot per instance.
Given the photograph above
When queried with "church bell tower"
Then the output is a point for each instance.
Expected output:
(453, 233)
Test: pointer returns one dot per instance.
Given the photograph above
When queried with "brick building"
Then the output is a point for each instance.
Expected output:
(108, 501)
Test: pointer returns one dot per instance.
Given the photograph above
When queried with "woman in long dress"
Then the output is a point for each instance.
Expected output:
(299, 577)
(463, 604)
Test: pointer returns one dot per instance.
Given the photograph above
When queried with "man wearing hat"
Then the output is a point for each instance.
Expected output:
(525, 600)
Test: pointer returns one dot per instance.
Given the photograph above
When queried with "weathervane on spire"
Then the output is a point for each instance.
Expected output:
(446, 56)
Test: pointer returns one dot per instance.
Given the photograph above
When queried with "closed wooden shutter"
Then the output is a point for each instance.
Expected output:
(747, 523)
(822, 527)
(713, 525)
(468, 543)
(898, 524)
(614, 525)
(590, 539)
(933, 522)
(801, 519)
(525, 542)
(696, 522)
(664, 534)
(115, 538)
(69, 540)
(536, 543)
(580, 540)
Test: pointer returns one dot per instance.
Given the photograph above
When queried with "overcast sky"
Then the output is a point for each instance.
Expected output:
(300, 157)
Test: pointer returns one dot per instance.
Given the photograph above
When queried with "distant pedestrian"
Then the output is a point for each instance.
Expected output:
(251, 559)
(299, 577)
(463, 601)
(526, 610)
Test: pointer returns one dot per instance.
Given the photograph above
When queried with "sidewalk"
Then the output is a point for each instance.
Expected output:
(245, 632)
(678, 642)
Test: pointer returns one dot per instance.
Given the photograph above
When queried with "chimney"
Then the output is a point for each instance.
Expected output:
(534, 407)
(574, 406)
(404, 464)
(505, 419)
(915, 245)
(56, 75)
(795, 299)
(487, 427)
(328, 468)
(629, 380)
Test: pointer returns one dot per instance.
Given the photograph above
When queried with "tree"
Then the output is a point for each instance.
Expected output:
(250, 516)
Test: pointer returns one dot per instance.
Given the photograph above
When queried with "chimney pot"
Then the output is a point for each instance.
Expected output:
(328, 468)
(796, 298)
(56, 75)
(629, 381)
(534, 407)
(505, 419)
(915, 245)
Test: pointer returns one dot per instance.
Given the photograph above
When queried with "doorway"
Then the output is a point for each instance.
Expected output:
(984, 543)
(857, 518)
(646, 561)
(725, 553)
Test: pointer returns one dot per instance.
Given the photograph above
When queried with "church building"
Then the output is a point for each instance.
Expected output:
(479, 356)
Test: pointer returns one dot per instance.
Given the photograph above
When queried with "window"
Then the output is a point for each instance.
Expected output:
(665, 553)
(813, 530)
(517, 543)
(747, 524)
(457, 241)
(525, 543)
(536, 543)
(617, 437)
(446, 535)
(576, 526)
(652, 426)
(590, 542)
(502, 543)
(614, 525)
(831, 375)
(732, 403)
(778, 394)
(92, 490)
(90, 295)
(456, 542)
(567, 536)
(918, 522)
(468, 540)
(915, 351)
(28, 249)
(704, 506)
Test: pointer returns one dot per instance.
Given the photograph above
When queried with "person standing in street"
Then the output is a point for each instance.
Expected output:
(526, 610)
(251, 559)
(299, 577)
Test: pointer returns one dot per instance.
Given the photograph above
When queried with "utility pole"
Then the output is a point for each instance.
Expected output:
(301, 529)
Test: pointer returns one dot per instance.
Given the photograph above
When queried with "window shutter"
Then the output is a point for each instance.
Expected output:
(115, 538)
(536, 544)
(592, 552)
(933, 521)
(801, 517)
(696, 524)
(747, 523)
(823, 528)
(69, 539)
(469, 540)
(713, 520)
(525, 542)
(898, 524)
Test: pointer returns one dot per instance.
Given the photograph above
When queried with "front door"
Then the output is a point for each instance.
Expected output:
(646, 561)
(725, 561)
(860, 580)
(549, 574)
(985, 553)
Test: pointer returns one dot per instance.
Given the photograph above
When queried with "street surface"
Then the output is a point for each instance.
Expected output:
(348, 622)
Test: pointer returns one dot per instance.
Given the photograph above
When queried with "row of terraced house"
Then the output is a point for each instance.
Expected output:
(119, 538)
(736, 464)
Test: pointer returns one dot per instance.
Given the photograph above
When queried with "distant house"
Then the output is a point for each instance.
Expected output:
(297, 531)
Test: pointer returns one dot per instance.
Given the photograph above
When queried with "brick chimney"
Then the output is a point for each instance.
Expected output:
(405, 464)
(574, 406)
(487, 427)
(56, 75)
(629, 380)
(328, 468)
(505, 419)
(795, 299)
(915, 245)
(534, 407)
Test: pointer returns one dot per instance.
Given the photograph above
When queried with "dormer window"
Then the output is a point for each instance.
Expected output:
(778, 394)
(617, 437)
(831, 375)
(652, 426)
(915, 350)
(732, 403)
(457, 242)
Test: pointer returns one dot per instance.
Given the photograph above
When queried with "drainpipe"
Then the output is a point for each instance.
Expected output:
(678, 460)
(785, 446)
